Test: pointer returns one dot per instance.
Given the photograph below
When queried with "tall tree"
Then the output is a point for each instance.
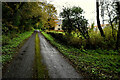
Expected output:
(118, 34)
(98, 20)
(110, 12)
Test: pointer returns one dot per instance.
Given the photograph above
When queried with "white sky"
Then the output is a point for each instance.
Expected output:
(89, 7)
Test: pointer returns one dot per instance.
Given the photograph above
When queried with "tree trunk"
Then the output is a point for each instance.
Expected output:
(118, 34)
(113, 34)
(98, 20)
(109, 14)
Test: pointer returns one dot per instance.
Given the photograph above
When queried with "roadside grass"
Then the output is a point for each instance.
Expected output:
(11, 46)
(40, 68)
(102, 64)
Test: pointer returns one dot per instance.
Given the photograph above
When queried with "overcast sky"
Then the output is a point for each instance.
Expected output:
(89, 7)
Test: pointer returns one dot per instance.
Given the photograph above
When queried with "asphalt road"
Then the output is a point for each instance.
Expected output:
(22, 65)
(57, 66)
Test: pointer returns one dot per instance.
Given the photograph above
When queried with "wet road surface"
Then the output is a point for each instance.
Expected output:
(22, 65)
(57, 66)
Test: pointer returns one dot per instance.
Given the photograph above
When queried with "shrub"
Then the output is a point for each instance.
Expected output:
(95, 41)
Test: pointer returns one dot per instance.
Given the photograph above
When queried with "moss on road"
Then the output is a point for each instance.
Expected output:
(41, 71)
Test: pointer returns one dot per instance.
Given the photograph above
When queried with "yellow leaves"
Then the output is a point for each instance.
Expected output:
(52, 22)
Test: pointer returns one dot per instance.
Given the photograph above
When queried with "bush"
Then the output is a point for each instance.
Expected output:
(68, 39)
(95, 41)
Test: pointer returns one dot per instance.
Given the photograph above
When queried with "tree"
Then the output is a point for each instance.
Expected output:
(67, 22)
(11, 15)
(48, 15)
(98, 20)
(23, 16)
(73, 20)
(80, 22)
(108, 8)
(113, 12)
(118, 34)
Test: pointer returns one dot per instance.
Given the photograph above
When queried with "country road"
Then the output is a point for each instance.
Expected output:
(57, 66)
(22, 65)
(60, 39)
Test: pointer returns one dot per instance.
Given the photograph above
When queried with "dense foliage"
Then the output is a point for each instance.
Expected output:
(96, 41)
(24, 16)
(74, 23)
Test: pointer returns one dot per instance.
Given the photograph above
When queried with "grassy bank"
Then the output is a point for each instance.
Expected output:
(103, 64)
(41, 71)
(10, 45)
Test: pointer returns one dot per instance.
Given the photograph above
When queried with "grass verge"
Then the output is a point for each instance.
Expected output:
(41, 71)
(101, 64)
(13, 45)
(10, 50)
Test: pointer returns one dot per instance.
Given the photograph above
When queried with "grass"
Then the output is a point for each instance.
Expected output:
(103, 64)
(10, 48)
(41, 71)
